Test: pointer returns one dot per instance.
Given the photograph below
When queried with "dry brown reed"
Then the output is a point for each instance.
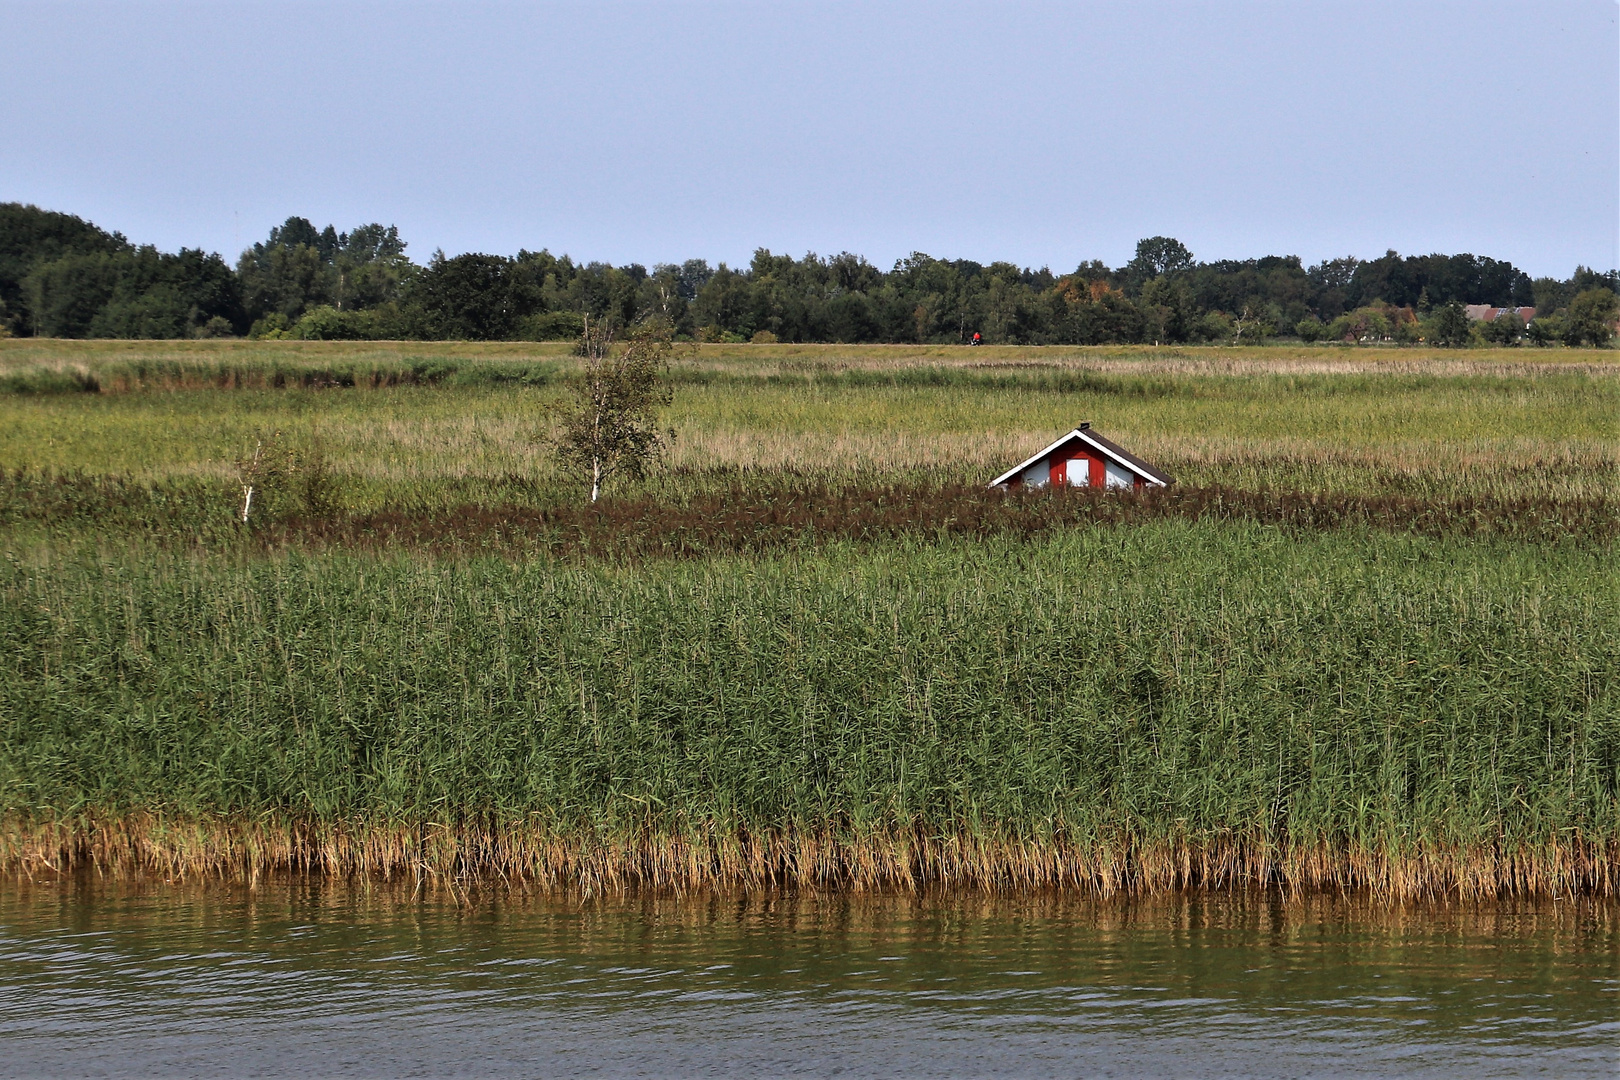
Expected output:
(714, 855)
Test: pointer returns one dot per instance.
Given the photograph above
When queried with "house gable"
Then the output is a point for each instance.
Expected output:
(1082, 458)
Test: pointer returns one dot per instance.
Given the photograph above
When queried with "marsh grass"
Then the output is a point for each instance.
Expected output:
(1175, 704)
(1444, 427)
(20, 354)
(754, 518)
(751, 515)
(724, 856)
(1368, 642)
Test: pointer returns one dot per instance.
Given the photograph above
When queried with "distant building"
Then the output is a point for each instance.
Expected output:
(1082, 458)
(1486, 313)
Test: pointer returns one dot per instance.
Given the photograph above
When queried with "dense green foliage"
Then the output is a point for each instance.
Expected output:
(298, 271)
(1175, 681)
(64, 277)
(31, 237)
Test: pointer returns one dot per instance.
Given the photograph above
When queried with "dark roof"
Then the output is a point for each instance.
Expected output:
(1131, 459)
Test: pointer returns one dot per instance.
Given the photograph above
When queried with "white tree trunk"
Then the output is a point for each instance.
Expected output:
(596, 450)
(252, 473)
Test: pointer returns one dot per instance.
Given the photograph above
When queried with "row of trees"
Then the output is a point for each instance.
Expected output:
(62, 276)
(1587, 319)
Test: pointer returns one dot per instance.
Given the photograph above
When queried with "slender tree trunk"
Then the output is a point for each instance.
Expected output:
(596, 452)
(247, 489)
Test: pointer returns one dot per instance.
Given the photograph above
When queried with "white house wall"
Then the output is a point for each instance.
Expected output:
(1118, 475)
(1038, 474)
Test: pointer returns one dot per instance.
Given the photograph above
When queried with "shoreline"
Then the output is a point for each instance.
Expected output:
(906, 860)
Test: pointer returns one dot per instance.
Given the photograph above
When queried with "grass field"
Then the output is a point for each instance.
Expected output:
(1372, 640)
(1325, 419)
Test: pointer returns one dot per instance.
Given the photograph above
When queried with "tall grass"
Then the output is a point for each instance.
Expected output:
(754, 514)
(44, 354)
(756, 518)
(1369, 641)
(1172, 704)
(1548, 434)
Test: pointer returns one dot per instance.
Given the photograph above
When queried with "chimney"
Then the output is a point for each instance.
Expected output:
(1085, 424)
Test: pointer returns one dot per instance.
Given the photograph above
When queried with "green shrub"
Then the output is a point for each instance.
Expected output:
(551, 326)
(326, 323)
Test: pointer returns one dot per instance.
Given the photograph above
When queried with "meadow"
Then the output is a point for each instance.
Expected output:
(1370, 640)
(412, 423)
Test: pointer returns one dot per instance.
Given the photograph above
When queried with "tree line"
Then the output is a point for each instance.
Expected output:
(61, 276)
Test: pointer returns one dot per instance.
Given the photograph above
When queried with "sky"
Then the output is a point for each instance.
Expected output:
(1042, 134)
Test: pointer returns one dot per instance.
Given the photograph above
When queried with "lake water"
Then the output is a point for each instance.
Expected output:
(99, 978)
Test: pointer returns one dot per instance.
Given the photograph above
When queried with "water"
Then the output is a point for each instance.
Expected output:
(297, 978)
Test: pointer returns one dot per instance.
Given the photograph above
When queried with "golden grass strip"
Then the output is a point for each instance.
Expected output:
(716, 855)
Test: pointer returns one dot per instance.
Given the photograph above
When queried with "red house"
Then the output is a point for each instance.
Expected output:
(1083, 458)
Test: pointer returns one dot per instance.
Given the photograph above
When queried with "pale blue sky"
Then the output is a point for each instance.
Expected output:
(1042, 133)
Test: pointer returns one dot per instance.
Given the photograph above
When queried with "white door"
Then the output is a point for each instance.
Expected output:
(1079, 474)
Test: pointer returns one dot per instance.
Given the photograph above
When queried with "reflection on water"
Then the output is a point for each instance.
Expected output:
(102, 978)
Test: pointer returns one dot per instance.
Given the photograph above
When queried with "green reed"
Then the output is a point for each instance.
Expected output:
(1122, 695)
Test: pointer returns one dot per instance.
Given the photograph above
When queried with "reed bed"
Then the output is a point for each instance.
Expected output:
(1206, 703)
(1550, 434)
(170, 375)
(1369, 642)
(765, 513)
(34, 367)
(760, 519)
(727, 856)
(116, 366)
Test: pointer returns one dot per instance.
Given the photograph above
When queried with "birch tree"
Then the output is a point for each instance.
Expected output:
(609, 426)
(279, 478)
